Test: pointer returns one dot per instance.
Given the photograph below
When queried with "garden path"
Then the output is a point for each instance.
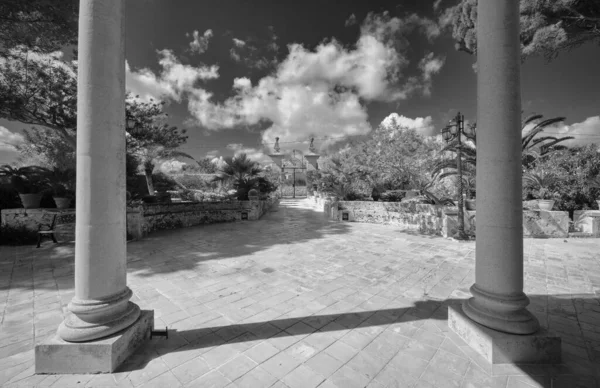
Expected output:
(295, 300)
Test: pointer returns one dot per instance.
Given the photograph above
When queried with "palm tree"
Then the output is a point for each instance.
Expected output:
(542, 182)
(240, 172)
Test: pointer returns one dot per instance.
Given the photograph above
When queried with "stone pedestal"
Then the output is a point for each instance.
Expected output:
(100, 356)
(503, 348)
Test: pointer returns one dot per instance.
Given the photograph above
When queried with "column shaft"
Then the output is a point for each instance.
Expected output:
(499, 302)
(101, 304)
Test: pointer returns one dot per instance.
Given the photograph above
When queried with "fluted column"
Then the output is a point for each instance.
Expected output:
(498, 300)
(101, 303)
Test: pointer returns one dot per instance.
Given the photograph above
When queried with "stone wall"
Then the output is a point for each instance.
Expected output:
(423, 218)
(587, 222)
(442, 221)
(148, 218)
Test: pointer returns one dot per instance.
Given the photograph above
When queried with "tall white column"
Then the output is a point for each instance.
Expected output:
(498, 300)
(101, 303)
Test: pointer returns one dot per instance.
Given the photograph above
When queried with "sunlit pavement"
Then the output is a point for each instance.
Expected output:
(294, 300)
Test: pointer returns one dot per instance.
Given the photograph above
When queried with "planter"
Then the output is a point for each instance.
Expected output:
(546, 204)
(62, 202)
(598, 202)
(470, 204)
(31, 201)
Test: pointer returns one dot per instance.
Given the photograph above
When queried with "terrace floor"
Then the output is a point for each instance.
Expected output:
(294, 300)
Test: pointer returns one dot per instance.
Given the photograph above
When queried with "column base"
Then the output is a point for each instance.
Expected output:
(56, 356)
(503, 348)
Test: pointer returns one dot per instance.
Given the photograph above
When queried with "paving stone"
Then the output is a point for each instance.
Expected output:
(361, 305)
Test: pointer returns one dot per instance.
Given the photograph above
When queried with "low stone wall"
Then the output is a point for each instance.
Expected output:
(148, 218)
(442, 221)
(536, 223)
(587, 222)
(423, 218)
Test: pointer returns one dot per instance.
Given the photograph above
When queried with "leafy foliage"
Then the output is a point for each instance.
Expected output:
(39, 89)
(42, 25)
(26, 180)
(239, 172)
(547, 27)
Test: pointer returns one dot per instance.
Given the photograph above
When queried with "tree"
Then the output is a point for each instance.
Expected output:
(151, 139)
(533, 146)
(547, 27)
(39, 89)
(45, 147)
(202, 166)
(40, 25)
(241, 173)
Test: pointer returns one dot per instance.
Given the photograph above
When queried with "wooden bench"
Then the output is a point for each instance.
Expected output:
(49, 229)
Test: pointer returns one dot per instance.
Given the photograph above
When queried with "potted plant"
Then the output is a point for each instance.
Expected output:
(28, 181)
(542, 185)
(469, 186)
(62, 186)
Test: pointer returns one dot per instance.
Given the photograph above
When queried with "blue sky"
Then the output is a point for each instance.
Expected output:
(240, 73)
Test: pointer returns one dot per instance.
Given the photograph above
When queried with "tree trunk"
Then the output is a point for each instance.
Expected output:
(149, 183)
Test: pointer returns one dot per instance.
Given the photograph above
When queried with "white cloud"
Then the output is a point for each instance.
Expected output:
(238, 42)
(171, 166)
(173, 80)
(322, 92)
(422, 124)
(254, 154)
(436, 4)
(212, 154)
(350, 21)
(200, 43)
(585, 132)
(8, 139)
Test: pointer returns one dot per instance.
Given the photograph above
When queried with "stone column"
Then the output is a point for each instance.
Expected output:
(101, 303)
(498, 300)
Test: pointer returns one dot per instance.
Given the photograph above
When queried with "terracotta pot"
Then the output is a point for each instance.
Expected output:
(31, 201)
(546, 204)
(470, 204)
(62, 203)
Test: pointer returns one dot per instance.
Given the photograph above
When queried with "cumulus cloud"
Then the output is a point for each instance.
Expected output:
(211, 154)
(422, 124)
(171, 166)
(322, 91)
(254, 154)
(255, 52)
(200, 43)
(8, 139)
(173, 80)
(585, 132)
(350, 21)
(436, 4)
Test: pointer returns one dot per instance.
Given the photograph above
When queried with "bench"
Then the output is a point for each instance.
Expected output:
(49, 229)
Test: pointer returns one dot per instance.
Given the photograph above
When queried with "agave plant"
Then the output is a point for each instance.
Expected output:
(26, 180)
(542, 183)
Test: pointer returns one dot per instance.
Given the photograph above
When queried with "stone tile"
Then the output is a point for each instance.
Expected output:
(303, 377)
(280, 365)
(261, 352)
(257, 377)
(237, 367)
(212, 379)
(191, 370)
(324, 364)
(348, 378)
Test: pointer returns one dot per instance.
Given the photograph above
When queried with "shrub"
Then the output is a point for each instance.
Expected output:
(9, 198)
(392, 196)
(197, 181)
(17, 236)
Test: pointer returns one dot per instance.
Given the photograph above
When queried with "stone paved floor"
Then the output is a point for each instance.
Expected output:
(294, 300)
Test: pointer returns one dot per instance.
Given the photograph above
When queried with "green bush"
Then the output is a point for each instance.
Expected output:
(17, 236)
(392, 196)
(9, 198)
(197, 181)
